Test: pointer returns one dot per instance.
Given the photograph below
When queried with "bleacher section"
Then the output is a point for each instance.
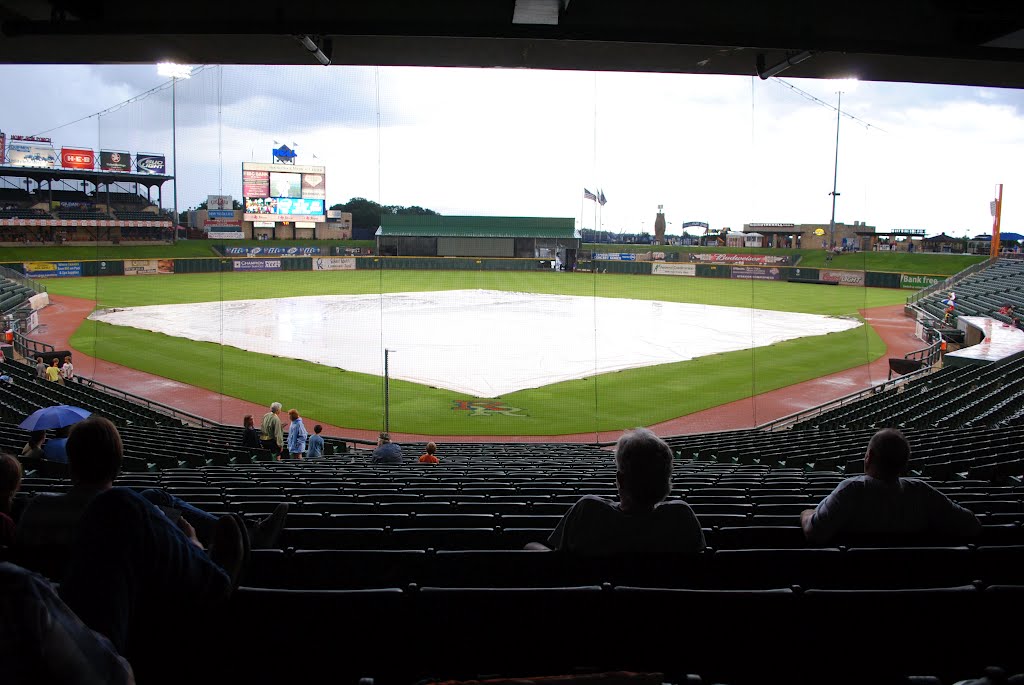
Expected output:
(983, 293)
(13, 295)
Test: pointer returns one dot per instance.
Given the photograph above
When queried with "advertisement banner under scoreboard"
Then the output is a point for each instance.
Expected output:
(150, 164)
(256, 264)
(53, 269)
(660, 269)
(77, 158)
(334, 264)
(113, 160)
(40, 155)
(225, 235)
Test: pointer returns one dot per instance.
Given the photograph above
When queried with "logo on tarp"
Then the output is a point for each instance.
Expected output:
(486, 408)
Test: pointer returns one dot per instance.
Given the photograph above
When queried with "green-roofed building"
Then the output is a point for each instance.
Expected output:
(529, 237)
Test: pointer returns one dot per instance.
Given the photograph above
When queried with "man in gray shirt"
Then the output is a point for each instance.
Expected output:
(880, 502)
(640, 522)
(386, 452)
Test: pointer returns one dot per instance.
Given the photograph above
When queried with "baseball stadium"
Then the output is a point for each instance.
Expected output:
(555, 378)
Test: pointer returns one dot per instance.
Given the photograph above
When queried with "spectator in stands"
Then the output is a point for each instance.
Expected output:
(316, 443)
(250, 433)
(880, 502)
(640, 522)
(42, 641)
(67, 371)
(95, 453)
(296, 435)
(55, 449)
(40, 369)
(429, 455)
(33, 449)
(271, 434)
(53, 372)
(387, 452)
(10, 482)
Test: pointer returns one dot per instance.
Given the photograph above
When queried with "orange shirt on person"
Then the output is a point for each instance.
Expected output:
(429, 459)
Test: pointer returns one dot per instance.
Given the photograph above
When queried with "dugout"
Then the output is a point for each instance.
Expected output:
(479, 236)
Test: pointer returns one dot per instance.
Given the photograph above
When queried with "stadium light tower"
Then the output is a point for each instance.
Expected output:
(845, 85)
(174, 72)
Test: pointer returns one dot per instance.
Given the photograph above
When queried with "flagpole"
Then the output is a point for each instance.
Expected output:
(583, 204)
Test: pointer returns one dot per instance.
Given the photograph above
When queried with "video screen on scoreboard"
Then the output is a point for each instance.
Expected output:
(284, 206)
(285, 184)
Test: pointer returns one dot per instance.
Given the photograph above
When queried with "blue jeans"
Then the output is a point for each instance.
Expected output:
(133, 572)
(199, 519)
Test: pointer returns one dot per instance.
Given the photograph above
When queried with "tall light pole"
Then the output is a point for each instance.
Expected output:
(835, 177)
(175, 72)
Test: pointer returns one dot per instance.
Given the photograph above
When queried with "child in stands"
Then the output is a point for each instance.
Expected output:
(430, 456)
(315, 450)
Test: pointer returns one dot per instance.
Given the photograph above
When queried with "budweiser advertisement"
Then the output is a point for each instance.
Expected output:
(112, 160)
(150, 164)
(77, 158)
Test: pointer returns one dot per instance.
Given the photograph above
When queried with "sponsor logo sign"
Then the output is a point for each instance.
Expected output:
(724, 258)
(255, 183)
(333, 213)
(305, 224)
(842, 277)
(274, 251)
(111, 160)
(53, 269)
(77, 158)
(660, 269)
(218, 202)
(756, 273)
(146, 267)
(313, 186)
(264, 224)
(486, 408)
(226, 235)
(616, 256)
(150, 164)
(220, 213)
(31, 155)
(334, 264)
(257, 264)
(918, 281)
(699, 224)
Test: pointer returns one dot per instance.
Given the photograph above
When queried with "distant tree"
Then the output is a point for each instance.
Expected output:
(367, 213)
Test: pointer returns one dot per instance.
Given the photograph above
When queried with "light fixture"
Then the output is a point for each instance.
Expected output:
(174, 70)
(792, 59)
(314, 49)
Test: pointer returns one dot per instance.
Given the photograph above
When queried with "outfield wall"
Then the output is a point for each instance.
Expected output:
(795, 274)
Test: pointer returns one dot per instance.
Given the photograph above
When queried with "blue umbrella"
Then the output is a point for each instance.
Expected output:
(57, 416)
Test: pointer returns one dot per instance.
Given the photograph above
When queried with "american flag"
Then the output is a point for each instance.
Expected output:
(587, 195)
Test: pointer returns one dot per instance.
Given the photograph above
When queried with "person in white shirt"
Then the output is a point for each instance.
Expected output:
(882, 503)
(640, 522)
(67, 372)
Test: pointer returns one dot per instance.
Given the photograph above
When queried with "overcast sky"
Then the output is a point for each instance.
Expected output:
(726, 150)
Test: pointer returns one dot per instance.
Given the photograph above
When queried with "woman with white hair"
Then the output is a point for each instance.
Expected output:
(271, 433)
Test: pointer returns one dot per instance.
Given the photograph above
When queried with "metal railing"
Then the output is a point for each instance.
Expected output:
(788, 421)
(187, 417)
(926, 355)
(949, 282)
(22, 279)
(29, 348)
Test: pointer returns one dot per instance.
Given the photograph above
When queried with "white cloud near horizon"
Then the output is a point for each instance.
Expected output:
(727, 150)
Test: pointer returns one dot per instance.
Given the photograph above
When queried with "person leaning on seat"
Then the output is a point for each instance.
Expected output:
(881, 503)
(641, 522)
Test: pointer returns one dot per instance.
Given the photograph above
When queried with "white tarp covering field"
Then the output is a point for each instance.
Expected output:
(483, 343)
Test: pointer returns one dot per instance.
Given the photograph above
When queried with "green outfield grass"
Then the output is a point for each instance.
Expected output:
(608, 402)
(182, 249)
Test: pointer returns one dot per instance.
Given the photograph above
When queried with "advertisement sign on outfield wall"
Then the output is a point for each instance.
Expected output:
(755, 273)
(272, 251)
(257, 264)
(842, 277)
(77, 158)
(723, 258)
(148, 267)
(53, 269)
(659, 269)
(150, 164)
(113, 160)
(334, 264)
(918, 281)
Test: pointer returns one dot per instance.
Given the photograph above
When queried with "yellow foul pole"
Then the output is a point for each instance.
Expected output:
(994, 249)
